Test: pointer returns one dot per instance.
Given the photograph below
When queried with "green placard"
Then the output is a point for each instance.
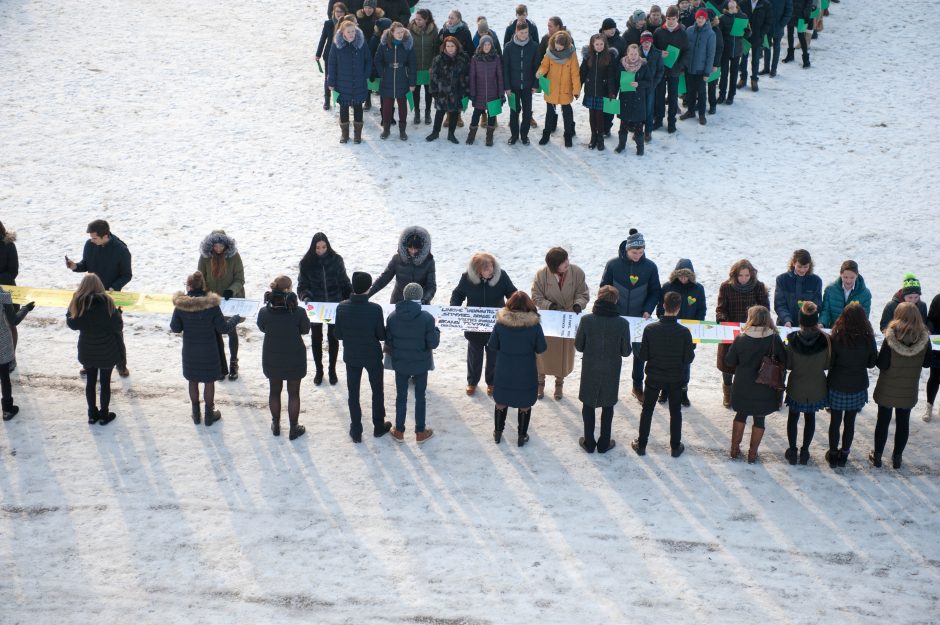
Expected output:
(494, 107)
(715, 75)
(626, 81)
(464, 103)
(423, 77)
(816, 13)
(373, 85)
(745, 47)
(824, 4)
(766, 43)
(612, 106)
(739, 26)
(671, 56)
(413, 9)
(335, 96)
(410, 96)
(544, 84)
(512, 102)
(801, 26)
(682, 87)
(319, 66)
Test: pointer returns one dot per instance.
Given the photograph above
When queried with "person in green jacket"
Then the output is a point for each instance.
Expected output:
(222, 267)
(850, 287)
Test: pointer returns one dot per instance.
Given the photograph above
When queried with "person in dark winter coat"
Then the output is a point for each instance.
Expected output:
(360, 325)
(599, 75)
(910, 293)
(731, 53)
(325, 46)
(221, 266)
(484, 284)
(933, 381)
(636, 24)
(348, 71)
(107, 257)
(799, 284)
(520, 62)
(758, 339)
(654, 59)
(9, 261)
(323, 278)
(522, 17)
(486, 85)
(604, 339)
(782, 11)
(719, 52)
(425, 35)
(283, 355)
(366, 18)
(395, 65)
(849, 287)
(352, 6)
(633, 111)
(413, 263)
(760, 26)
(691, 306)
(455, 27)
(517, 337)
(636, 278)
(801, 11)
(672, 33)
(553, 25)
(395, 10)
(701, 63)
(483, 30)
(9, 319)
(853, 353)
(808, 355)
(411, 337)
(99, 323)
(736, 296)
(905, 350)
(450, 78)
(615, 41)
(197, 315)
(668, 352)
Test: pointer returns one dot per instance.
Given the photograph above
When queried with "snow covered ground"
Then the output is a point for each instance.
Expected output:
(170, 119)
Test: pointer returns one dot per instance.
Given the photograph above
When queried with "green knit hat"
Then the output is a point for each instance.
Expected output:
(911, 284)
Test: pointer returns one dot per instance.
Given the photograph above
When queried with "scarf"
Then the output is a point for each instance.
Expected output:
(744, 288)
(604, 309)
(560, 57)
(491, 56)
(516, 41)
(454, 28)
(633, 67)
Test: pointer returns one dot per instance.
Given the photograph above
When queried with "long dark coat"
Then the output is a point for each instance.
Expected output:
(450, 81)
(283, 355)
(99, 338)
(517, 337)
(360, 325)
(405, 269)
(808, 355)
(604, 340)
(349, 68)
(486, 79)
(732, 306)
(198, 316)
(848, 371)
(395, 65)
(633, 103)
(744, 357)
(9, 261)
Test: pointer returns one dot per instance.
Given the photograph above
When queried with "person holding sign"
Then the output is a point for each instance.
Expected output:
(395, 66)
(636, 83)
(599, 73)
(221, 266)
(847, 288)
(450, 75)
(671, 39)
(701, 63)
(348, 72)
(413, 263)
(486, 88)
(761, 23)
(424, 33)
(520, 62)
(560, 68)
(733, 24)
(801, 22)
(799, 284)
(325, 46)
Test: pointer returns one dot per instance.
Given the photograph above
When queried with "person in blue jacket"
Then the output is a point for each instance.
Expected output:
(348, 70)
(691, 306)
(396, 66)
(849, 287)
(799, 284)
(700, 64)
(636, 278)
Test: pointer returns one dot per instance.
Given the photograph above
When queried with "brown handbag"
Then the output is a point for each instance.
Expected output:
(772, 372)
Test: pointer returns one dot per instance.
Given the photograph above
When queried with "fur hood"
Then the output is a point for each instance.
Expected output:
(808, 343)
(195, 303)
(429, 29)
(425, 239)
(475, 278)
(758, 333)
(339, 42)
(680, 273)
(513, 319)
(407, 41)
(903, 349)
(9, 237)
(218, 236)
(377, 14)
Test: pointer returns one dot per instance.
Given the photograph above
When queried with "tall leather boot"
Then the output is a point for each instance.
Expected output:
(737, 433)
(600, 142)
(621, 142)
(233, 369)
(333, 348)
(805, 60)
(326, 100)
(472, 135)
(524, 416)
(402, 124)
(499, 423)
(638, 139)
(317, 349)
(756, 435)
(489, 135)
(453, 120)
(436, 131)
(357, 132)
(790, 55)
(386, 129)
(726, 395)
(344, 132)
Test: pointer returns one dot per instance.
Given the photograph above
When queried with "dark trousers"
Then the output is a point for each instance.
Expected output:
(551, 119)
(637, 366)
(232, 347)
(477, 114)
(809, 427)
(6, 386)
(772, 54)
(801, 36)
(933, 384)
(902, 428)
(388, 109)
(674, 389)
(650, 102)
(344, 113)
(836, 420)
(377, 383)
(523, 102)
(695, 85)
(122, 351)
(91, 381)
(316, 344)
(475, 356)
(401, 400)
(428, 99)
(729, 71)
(607, 419)
(755, 63)
(667, 96)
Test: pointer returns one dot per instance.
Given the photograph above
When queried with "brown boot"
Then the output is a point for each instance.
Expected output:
(559, 384)
(471, 135)
(756, 435)
(344, 132)
(489, 135)
(726, 395)
(540, 393)
(357, 132)
(737, 433)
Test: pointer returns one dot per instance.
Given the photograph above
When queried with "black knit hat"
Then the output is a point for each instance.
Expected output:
(809, 321)
(608, 24)
(361, 281)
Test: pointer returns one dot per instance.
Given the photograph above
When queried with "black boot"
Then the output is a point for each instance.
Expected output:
(197, 413)
(436, 131)
(367, 106)
(712, 108)
(568, 142)
(832, 457)
(499, 423)
(276, 426)
(472, 135)
(804, 455)
(105, 417)
(806, 60)
(326, 101)
(333, 347)
(600, 142)
(730, 99)
(791, 455)
(593, 143)
(638, 139)
(621, 142)
(427, 115)
(896, 461)
(452, 122)
(545, 136)
(790, 56)
(386, 130)
(874, 458)
(402, 124)
(417, 116)
(317, 362)
(233, 369)
(92, 415)
(9, 410)
(212, 415)
(524, 416)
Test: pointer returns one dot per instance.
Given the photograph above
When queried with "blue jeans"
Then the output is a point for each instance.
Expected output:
(401, 400)
(650, 99)
(376, 381)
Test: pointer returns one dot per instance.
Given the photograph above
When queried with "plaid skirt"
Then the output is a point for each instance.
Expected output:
(593, 102)
(801, 407)
(847, 401)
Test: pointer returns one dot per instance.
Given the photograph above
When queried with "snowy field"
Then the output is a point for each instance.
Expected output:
(173, 118)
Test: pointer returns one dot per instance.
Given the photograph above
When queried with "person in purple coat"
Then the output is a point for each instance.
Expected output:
(486, 84)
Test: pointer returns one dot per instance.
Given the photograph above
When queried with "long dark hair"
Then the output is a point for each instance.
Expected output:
(852, 327)
(605, 53)
(311, 258)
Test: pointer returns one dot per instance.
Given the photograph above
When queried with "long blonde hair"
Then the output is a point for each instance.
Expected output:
(908, 325)
(88, 289)
(758, 317)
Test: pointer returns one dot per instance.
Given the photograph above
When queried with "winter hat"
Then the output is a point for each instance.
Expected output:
(809, 320)
(684, 263)
(483, 40)
(911, 285)
(382, 24)
(608, 24)
(483, 27)
(368, 3)
(413, 292)
(639, 16)
(635, 239)
(646, 36)
(701, 13)
(361, 281)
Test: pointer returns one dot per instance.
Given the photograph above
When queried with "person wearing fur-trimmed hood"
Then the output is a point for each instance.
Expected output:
(486, 85)
(395, 65)
(413, 263)
(692, 307)
(484, 284)
(348, 72)
(221, 267)
(196, 313)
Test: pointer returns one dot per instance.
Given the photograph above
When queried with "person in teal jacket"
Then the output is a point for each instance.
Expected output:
(850, 287)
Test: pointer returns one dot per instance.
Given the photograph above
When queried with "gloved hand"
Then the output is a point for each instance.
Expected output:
(553, 306)
(28, 307)
(576, 308)
(237, 319)
(227, 294)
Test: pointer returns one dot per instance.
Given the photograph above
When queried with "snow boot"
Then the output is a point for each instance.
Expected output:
(326, 101)
(600, 142)
(357, 132)
(417, 116)
(742, 82)
(790, 55)
(593, 143)
(730, 100)
(436, 130)
(638, 139)
(233, 369)
(105, 417)
(546, 134)
(344, 132)
(453, 122)
(928, 413)
(756, 435)
(754, 84)
(804, 455)
(212, 415)
(621, 142)
(713, 108)
(427, 115)
(386, 130)
(402, 124)
(489, 135)
(93, 415)
(737, 433)
(524, 416)
(472, 135)
(726, 395)
(499, 423)
(790, 455)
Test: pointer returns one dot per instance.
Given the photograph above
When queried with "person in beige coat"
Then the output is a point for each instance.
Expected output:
(558, 285)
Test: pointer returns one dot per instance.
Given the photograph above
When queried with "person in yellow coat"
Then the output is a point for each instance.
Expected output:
(558, 285)
(560, 66)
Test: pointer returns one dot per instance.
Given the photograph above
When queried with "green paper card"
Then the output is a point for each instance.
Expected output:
(715, 75)
(512, 102)
(319, 67)
(766, 43)
(682, 88)
(423, 77)
(494, 107)
(626, 80)
(739, 26)
(745, 47)
(801, 26)
(612, 107)
(413, 9)
(544, 84)
(373, 85)
(410, 96)
(816, 13)
(464, 103)
(824, 5)
(671, 56)
(335, 96)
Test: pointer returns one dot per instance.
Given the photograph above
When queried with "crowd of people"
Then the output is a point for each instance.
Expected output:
(812, 371)
(696, 52)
